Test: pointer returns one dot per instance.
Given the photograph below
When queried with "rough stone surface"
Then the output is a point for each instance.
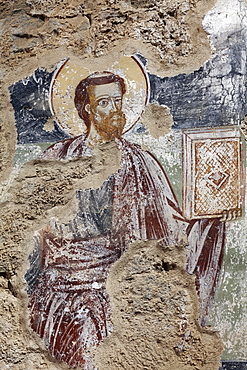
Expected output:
(154, 314)
(96, 27)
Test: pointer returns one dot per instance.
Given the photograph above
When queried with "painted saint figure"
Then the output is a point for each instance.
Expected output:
(69, 306)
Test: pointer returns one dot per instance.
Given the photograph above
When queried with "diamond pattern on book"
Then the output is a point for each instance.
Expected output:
(216, 182)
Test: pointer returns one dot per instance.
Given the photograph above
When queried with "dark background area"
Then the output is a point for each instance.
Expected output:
(233, 365)
(30, 100)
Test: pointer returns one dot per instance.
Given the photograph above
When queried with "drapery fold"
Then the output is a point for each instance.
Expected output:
(69, 306)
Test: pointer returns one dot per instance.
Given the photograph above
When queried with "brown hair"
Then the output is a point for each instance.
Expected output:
(81, 94)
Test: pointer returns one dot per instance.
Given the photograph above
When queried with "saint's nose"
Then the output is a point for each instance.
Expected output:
(114, 106)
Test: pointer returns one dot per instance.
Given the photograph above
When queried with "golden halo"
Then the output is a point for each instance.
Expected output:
(68, 75)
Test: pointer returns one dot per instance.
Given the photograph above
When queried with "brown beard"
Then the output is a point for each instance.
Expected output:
(111, 126)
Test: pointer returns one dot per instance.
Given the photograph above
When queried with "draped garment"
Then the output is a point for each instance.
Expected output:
(69, 305)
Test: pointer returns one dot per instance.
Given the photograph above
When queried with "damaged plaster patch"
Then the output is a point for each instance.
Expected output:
(24, 35)
(8, 7)
(7, 135)
(174, 42)
(157, 119)
(13, 350)
(165, 26)
(155, 307)
(42, 185)
(51, 8)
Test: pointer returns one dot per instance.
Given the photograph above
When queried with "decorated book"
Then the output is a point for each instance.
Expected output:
(213, 172)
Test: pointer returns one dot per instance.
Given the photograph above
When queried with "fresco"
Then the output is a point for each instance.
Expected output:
(190, 183)
(69, 306)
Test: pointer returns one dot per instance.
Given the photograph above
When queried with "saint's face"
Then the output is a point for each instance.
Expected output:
(105, 110)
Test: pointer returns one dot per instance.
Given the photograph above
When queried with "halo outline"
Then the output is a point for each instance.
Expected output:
(133, 103)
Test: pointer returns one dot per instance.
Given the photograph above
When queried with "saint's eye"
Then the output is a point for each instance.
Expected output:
(103, 103)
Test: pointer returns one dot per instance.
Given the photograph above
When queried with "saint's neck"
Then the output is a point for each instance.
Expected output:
(93, 138)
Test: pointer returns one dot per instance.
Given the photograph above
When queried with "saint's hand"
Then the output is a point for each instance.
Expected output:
(231, 215)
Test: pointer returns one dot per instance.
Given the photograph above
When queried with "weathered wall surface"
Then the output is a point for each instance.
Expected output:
(148, 286)
(154, 301)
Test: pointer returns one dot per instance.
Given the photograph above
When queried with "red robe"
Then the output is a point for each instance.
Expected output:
(69, 306)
